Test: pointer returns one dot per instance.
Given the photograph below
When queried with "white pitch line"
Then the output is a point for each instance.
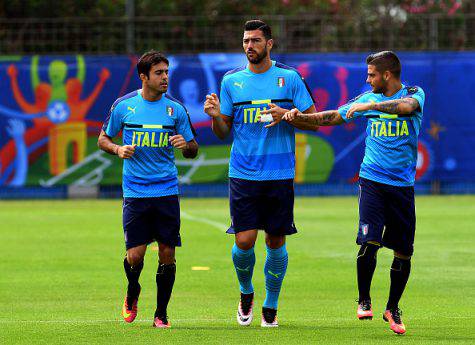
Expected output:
(217, 225)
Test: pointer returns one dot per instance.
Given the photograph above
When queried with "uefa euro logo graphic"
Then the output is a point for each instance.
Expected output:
(58, 112)
(51, 121)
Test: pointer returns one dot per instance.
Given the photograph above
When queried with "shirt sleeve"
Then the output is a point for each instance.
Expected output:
(420, 96)
(343, 110)
(301, 94)
(225, 100)
(184, 126)
(114, 121)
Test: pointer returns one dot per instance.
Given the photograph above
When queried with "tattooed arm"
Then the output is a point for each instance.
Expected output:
(303, 124)
(278, 112)
(324, 118)
(397, 106)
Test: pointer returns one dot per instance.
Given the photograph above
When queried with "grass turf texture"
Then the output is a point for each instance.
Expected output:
(62, 279)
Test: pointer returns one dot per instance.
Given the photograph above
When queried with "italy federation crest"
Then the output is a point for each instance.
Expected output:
(364, 229)
(169, 111)
(280, 81)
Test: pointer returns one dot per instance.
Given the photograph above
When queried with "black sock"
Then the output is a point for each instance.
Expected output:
(133, 274)
(165, 280)
(365, 265)
(400, 270)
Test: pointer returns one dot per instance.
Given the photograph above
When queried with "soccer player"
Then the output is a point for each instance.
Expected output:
(152, 125)
(386, 199)
(262, 163)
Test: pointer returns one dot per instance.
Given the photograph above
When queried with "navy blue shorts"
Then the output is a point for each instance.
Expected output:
(387, 216)
(263, 205)
(151, 219)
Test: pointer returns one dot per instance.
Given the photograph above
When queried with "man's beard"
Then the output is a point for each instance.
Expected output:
(380, 89)
(258, 58)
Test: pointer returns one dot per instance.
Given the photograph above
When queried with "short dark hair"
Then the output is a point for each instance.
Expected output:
(148, 59)
(257, 24)
(385, 61)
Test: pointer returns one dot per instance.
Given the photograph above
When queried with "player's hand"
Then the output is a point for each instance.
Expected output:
(126, 151)
(276, 112)
(357, 107)
(178, 141)
(291, 115)
(212, 106)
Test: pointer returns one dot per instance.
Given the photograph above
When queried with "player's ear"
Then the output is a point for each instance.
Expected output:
(143, 77)
(270, 43)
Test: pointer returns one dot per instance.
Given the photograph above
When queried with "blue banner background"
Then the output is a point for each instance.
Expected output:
(446, 152)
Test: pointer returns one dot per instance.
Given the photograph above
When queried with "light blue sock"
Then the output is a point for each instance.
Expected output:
(244, 261)
(274, 271)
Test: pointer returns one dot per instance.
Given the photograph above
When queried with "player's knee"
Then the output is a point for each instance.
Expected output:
(368, 250)
(274, 242)
(134, 258)
(244, 244)
(245, 240)
(166, 254)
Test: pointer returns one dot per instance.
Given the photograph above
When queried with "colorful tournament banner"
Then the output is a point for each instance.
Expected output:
(52, 109)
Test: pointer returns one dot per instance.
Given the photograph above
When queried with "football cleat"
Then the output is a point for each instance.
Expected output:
(393, 316)
(129, 309)
(364, 312)
(161, 322)
(244, 312)
(269, 317)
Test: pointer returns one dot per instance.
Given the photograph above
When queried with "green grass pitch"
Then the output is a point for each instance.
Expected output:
(62, 281)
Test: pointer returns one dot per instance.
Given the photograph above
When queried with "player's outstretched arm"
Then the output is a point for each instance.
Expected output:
(302, 124)
(277, 114)
(189, 149)
(397, 106)
(221, 124)
(106, 144)
(324, 118)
